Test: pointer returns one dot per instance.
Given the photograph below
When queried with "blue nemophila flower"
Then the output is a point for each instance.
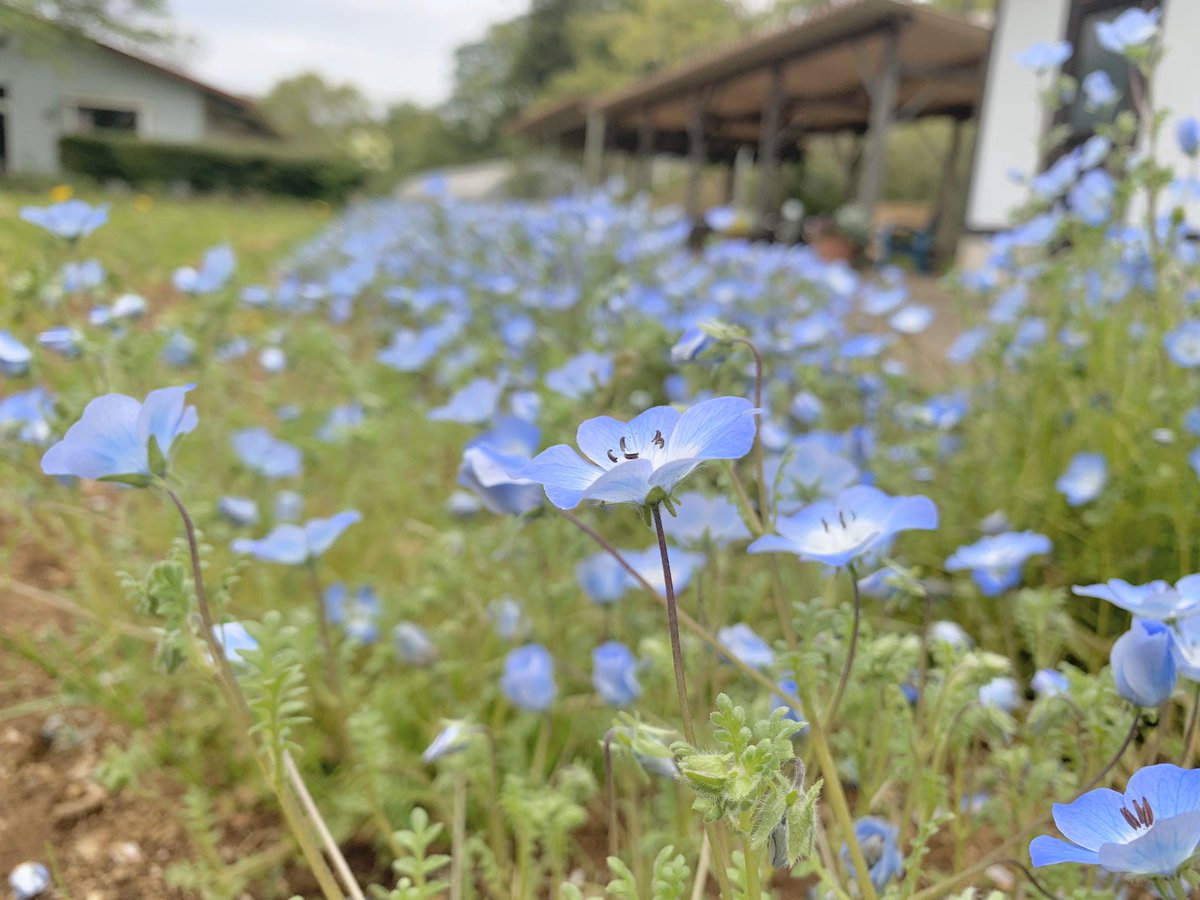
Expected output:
(291, 545)
(262, 452)
(239, 510)
(489, 460)
(742, 641)
(1131, 29)
(614, 673)
(704, 520)
(357, 612)
(118, 438)
(694, 341)
(473, 405)
(82, 276)
(272, 359)
(1183, 344)
(788, 685)
(508, 618)
(234, 639)
(1086, 475)
(179, 350)
(65, 341)
(14, 356)
(1002, 693)
(1187, 134)
(215, 271)
(1091, 197)
(528, 680)
(1151, 829)
(71, 219)
(341, 422)
(840, 530)
(1098, 90)
(1185, 645)
(1042, 57)
(581, 375)
(129, 306)
(1156, 600)
(455, 737)
(27, 415)
(413, 645)
(29, 880)
(995, 561)
(877, 838)
(1049, 683)
(1143, 663)
(288, 506)
(912, 319)
(627, 461)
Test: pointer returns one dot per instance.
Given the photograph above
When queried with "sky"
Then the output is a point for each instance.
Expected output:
(394, 50)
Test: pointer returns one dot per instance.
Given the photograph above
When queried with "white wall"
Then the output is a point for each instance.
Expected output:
(1176, 87)
(41, 87)
(1011, 119)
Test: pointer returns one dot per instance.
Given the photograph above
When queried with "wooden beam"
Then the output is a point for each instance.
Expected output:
(768, 146)
(883, 110)
(593, 149)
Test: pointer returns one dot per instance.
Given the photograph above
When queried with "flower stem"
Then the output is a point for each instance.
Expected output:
(685, 709)
(610, 789)
(750, 857)
(458, 835)
(836, 702)
(332, 675)
(764, 496)
(237, 700)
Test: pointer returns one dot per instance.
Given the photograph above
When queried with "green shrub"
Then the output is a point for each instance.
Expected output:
(208, 168)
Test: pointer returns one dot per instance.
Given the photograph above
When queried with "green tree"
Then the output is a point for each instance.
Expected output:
(315, 113)
(483, 97)
(45, 24)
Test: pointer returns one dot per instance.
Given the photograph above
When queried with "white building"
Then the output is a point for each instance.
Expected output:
(1012, 122)
(82, 86)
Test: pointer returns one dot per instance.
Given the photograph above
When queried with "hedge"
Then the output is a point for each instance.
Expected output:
(207, 168)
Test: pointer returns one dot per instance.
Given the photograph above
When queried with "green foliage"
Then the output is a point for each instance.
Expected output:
(272, 677)
(166, 593)
(314, 113)
(417, 870)
(669, 878)
(264, 170)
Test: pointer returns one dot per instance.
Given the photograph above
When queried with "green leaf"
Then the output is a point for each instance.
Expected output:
(133, 480)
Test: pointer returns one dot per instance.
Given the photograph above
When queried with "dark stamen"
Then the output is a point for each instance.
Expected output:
(1133, 823)
(659, 441)
(627, 454)
(842, 518)
(612, 456)
(825, 525)
(1144, 812)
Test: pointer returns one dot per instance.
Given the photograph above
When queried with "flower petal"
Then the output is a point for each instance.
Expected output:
(1159, 851)
(165, 416)
(321, 533)
(102, 443)
(1048, 851)
(627, 483)
(1170, 790)
(564, 473)
(285, 545)
(721, 428)
(1093, 819)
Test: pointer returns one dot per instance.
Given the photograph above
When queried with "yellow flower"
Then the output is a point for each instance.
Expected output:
(143, 203)
(61, 192)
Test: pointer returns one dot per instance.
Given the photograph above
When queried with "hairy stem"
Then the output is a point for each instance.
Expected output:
(685, 709)
(836, 702)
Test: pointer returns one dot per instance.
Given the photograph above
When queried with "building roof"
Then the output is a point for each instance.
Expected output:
(826, 58)
(243, 108)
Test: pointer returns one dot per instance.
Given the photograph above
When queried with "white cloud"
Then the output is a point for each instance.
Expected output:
(393, 49)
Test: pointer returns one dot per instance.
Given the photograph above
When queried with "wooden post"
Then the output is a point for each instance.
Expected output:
(883, 109)
(946, 233)
(593, 149)
(768, 147)
(696, 158)
(645, 153)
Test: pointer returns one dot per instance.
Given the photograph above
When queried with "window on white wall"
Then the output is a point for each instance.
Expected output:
(105, 118)
(1090, 57)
